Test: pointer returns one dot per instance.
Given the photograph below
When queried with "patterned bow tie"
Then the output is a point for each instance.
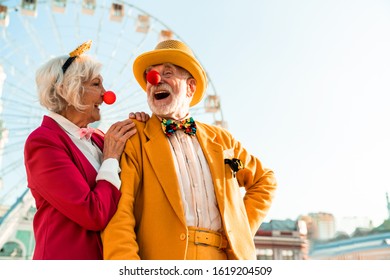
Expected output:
(86, 132)
(170, 126)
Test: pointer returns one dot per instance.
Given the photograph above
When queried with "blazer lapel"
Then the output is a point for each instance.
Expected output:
(160, 157)
(82, 163)
(214, 156)
(98, 139)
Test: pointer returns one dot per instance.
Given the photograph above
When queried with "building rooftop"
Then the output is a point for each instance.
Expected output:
(283, 225)
(354, 244)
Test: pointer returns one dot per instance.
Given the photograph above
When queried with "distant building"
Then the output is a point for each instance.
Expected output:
(365, 243)
(16, 232)
(369, 247)
(320, 226)
(282, 240)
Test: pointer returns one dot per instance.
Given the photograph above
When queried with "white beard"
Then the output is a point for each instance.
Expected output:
(177, 108)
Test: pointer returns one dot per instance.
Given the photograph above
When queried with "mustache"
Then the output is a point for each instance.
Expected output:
(162, 87)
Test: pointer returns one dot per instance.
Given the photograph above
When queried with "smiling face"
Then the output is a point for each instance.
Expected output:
(171, 97)
(92, 97)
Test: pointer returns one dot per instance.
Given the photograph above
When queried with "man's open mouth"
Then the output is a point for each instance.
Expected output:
(161, 95)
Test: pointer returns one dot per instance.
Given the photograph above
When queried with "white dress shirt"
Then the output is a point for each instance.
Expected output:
(108, 169)
(196, 185)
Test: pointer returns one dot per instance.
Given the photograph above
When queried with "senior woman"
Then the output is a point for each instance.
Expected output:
(73, 174)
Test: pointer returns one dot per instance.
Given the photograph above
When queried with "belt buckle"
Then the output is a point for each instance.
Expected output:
(197, 232)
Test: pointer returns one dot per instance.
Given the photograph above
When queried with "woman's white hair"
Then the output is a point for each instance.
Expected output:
(57, 90)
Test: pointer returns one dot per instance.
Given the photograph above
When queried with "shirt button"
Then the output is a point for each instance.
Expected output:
(182, 236)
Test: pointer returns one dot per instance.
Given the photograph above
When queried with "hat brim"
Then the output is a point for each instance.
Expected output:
(175, 57)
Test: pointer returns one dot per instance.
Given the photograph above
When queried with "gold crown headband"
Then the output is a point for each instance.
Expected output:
(77, 52)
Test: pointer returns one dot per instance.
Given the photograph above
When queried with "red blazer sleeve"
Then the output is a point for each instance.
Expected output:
(64, 178)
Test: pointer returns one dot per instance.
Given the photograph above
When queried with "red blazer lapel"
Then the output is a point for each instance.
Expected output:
(79, 159)
(98, 138)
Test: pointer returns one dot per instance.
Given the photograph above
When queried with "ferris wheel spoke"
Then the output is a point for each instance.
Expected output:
(127, 104)
(15, 189)
(33, 36)
(11, 165)
(16, 93)
(126, 66)
(119, 39)
(14, 146)
(55, 29)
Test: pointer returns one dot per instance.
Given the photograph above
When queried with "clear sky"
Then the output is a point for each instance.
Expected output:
(304, 85)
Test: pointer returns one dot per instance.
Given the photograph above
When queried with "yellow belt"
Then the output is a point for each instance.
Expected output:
(207, 238)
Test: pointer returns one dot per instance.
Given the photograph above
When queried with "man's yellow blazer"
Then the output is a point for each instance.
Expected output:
(150, 223)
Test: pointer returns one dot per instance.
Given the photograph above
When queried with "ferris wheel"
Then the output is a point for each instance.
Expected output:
(33, 31)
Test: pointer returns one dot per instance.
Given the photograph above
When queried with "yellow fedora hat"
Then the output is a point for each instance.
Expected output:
(177, 53)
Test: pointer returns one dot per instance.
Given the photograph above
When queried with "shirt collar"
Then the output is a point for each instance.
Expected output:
(186, 117)
(66, 124)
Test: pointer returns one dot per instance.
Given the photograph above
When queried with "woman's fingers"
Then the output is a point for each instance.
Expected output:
(139, 116)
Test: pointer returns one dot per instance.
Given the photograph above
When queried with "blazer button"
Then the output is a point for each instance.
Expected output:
(182, 236)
